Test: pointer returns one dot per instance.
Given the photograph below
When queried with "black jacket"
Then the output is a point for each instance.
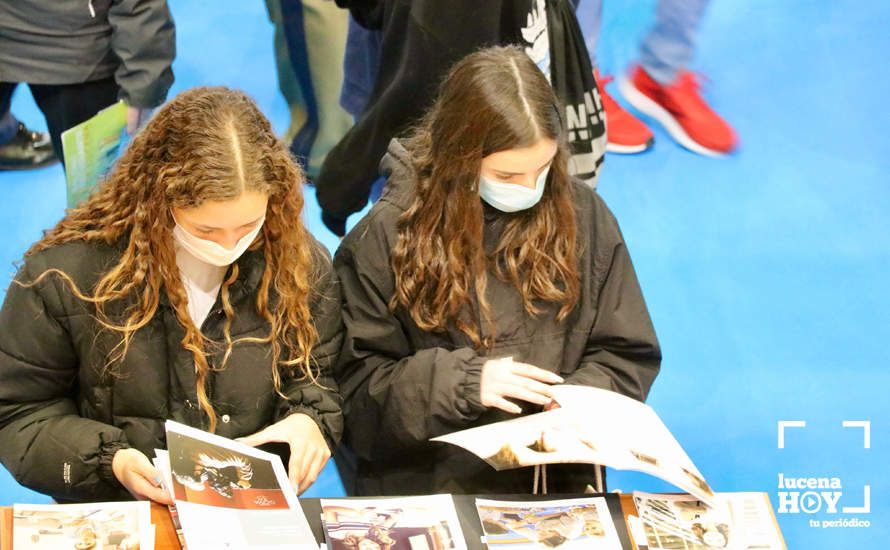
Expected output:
(421, 40)
(402, 385)
(76, 41)
(62, 415)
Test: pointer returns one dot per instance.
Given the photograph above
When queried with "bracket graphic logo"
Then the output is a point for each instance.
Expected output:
(812, 495)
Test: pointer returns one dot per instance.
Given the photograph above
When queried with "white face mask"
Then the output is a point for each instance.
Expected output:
(511, 197)
(211, 252)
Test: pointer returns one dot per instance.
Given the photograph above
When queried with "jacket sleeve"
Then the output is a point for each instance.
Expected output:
(622, 352)
(395, 397)
(367, 13)
(320, 400)
(144, 39)
(421, 40)
(44, 443)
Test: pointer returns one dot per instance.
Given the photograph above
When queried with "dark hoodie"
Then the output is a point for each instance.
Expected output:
(402, 385)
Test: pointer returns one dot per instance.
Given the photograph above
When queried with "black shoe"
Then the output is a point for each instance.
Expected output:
(27, 150)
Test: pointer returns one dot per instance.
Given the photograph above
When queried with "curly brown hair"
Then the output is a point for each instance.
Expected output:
(207, 144)
(493, 100)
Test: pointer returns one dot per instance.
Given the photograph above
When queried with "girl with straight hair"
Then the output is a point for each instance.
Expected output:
(484, 275)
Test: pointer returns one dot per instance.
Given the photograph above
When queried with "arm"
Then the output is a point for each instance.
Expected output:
(144, 39)
(321, 401)
(44, 442)
(622, 352)
(395, 397)
(421, 40)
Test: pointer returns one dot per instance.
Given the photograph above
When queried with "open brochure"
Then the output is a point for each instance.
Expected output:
(574, 524)
(230, 495)
(91, 148)
(107, 525)
(592, 426)
(405, 523)
(738, 521)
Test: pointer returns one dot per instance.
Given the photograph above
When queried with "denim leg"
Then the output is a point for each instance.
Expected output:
(359, 67)
(9, 125)
(670, 45)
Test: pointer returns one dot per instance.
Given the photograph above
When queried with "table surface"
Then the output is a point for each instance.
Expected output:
(166, 539)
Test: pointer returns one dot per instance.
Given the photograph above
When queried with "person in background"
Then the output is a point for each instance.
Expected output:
(482, 276)
(310, 43)
(661, 86)
(80, 56)
(21, 148)
(184, 288)
(419, 41)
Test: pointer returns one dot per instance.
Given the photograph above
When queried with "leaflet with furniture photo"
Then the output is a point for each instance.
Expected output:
(229, 495)
(593, 426)
(405, 523)
(118, 525)
(571, 524)
(738, 521)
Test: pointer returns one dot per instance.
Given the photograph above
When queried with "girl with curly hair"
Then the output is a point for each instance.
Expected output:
(184, 288)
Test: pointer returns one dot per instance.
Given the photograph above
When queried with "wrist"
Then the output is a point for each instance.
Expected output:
(111, 460)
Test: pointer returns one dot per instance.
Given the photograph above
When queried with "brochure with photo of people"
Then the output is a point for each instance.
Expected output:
(230, 495)
(738, 521)
(574, 524)
(105, 526)
(591, 425)
(405, 523)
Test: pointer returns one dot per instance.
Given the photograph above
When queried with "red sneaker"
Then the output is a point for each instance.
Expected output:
(625, 133)
(681, 110)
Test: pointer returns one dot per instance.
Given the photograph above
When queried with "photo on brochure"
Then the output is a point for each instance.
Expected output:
(591, 426)
(409, 523)
(739, 521)
(106, 526)
(575, 524)
(216, 476)
(229, 495)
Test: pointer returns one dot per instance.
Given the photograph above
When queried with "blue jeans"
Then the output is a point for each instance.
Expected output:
(670, 44)
(9, 125)
(359, 67)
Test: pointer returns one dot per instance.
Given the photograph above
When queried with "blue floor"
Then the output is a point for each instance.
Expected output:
(765, 273)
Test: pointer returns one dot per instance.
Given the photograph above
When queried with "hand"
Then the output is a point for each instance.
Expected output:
(552, 405)
(136, 118)
(502, 378)
(308, 450)
(137, 475)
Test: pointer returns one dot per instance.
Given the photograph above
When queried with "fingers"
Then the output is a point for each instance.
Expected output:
(317, 466)
(145, 481)
(261, 437)
(293, 470)
(305, 465)
(506, 406)
(518, 391)
(536, 373)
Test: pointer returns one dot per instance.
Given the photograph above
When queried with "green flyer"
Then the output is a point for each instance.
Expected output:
(90, 149)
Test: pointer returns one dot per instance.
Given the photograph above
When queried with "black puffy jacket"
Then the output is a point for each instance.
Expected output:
(63, 415)
(402, 385)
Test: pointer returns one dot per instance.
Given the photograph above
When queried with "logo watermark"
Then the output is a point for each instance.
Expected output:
(822, 495)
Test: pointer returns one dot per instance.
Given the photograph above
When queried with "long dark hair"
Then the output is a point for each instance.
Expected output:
(493, 100)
